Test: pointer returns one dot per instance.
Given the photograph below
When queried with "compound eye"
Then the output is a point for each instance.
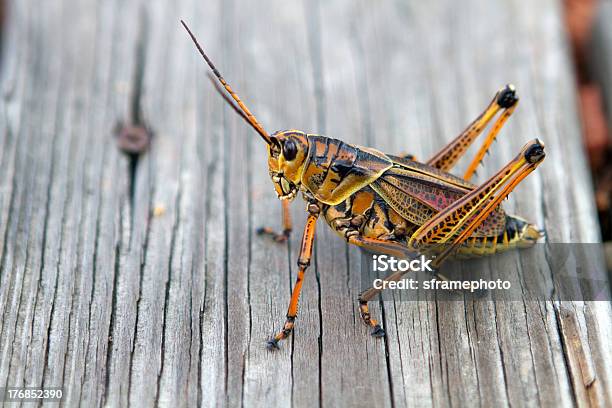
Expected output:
(289, 150)
(275, 148)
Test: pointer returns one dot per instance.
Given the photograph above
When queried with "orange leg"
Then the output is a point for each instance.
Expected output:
(287, 226)
(457, 222)
(377, 246)
(383, 247)
(448, 156)
(484, 148)
(303, 263)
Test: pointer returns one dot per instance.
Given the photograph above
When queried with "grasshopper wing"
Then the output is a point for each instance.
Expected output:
(417, 192)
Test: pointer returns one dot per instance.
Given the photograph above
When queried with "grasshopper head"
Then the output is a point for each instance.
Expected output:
(287, 155)
(287, 150)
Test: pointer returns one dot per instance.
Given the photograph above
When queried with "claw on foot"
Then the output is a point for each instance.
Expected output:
(378, 331)
(272, 344)
(282, 237)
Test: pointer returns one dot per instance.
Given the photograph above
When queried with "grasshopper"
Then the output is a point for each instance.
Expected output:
(393, 204)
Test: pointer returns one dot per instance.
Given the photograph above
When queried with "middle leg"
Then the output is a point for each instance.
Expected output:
(378, 246)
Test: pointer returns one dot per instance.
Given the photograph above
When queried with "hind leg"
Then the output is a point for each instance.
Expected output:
(456, 223)
(505, 99)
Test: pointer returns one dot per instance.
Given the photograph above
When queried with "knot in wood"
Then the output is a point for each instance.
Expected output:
(133, 139)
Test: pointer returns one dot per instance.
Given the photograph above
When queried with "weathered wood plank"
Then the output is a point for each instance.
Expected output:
(141, 281)
(600, 58)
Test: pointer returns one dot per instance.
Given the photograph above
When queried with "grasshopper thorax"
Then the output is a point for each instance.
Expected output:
(287, 154)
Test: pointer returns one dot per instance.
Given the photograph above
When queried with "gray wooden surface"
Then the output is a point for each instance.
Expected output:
(146, 285)
(601, 54)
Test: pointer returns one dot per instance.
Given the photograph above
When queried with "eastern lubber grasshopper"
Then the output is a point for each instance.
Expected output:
(394, 204)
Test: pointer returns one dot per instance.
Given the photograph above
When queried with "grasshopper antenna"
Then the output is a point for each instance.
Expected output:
(241, 109)
(227, 99)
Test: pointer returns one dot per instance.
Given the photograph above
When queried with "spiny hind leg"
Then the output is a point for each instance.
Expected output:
(506, 100)
(456, 223)
(287, 227)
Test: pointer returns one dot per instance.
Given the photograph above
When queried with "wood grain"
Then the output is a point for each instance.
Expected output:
(600, 57)
(141, 281)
